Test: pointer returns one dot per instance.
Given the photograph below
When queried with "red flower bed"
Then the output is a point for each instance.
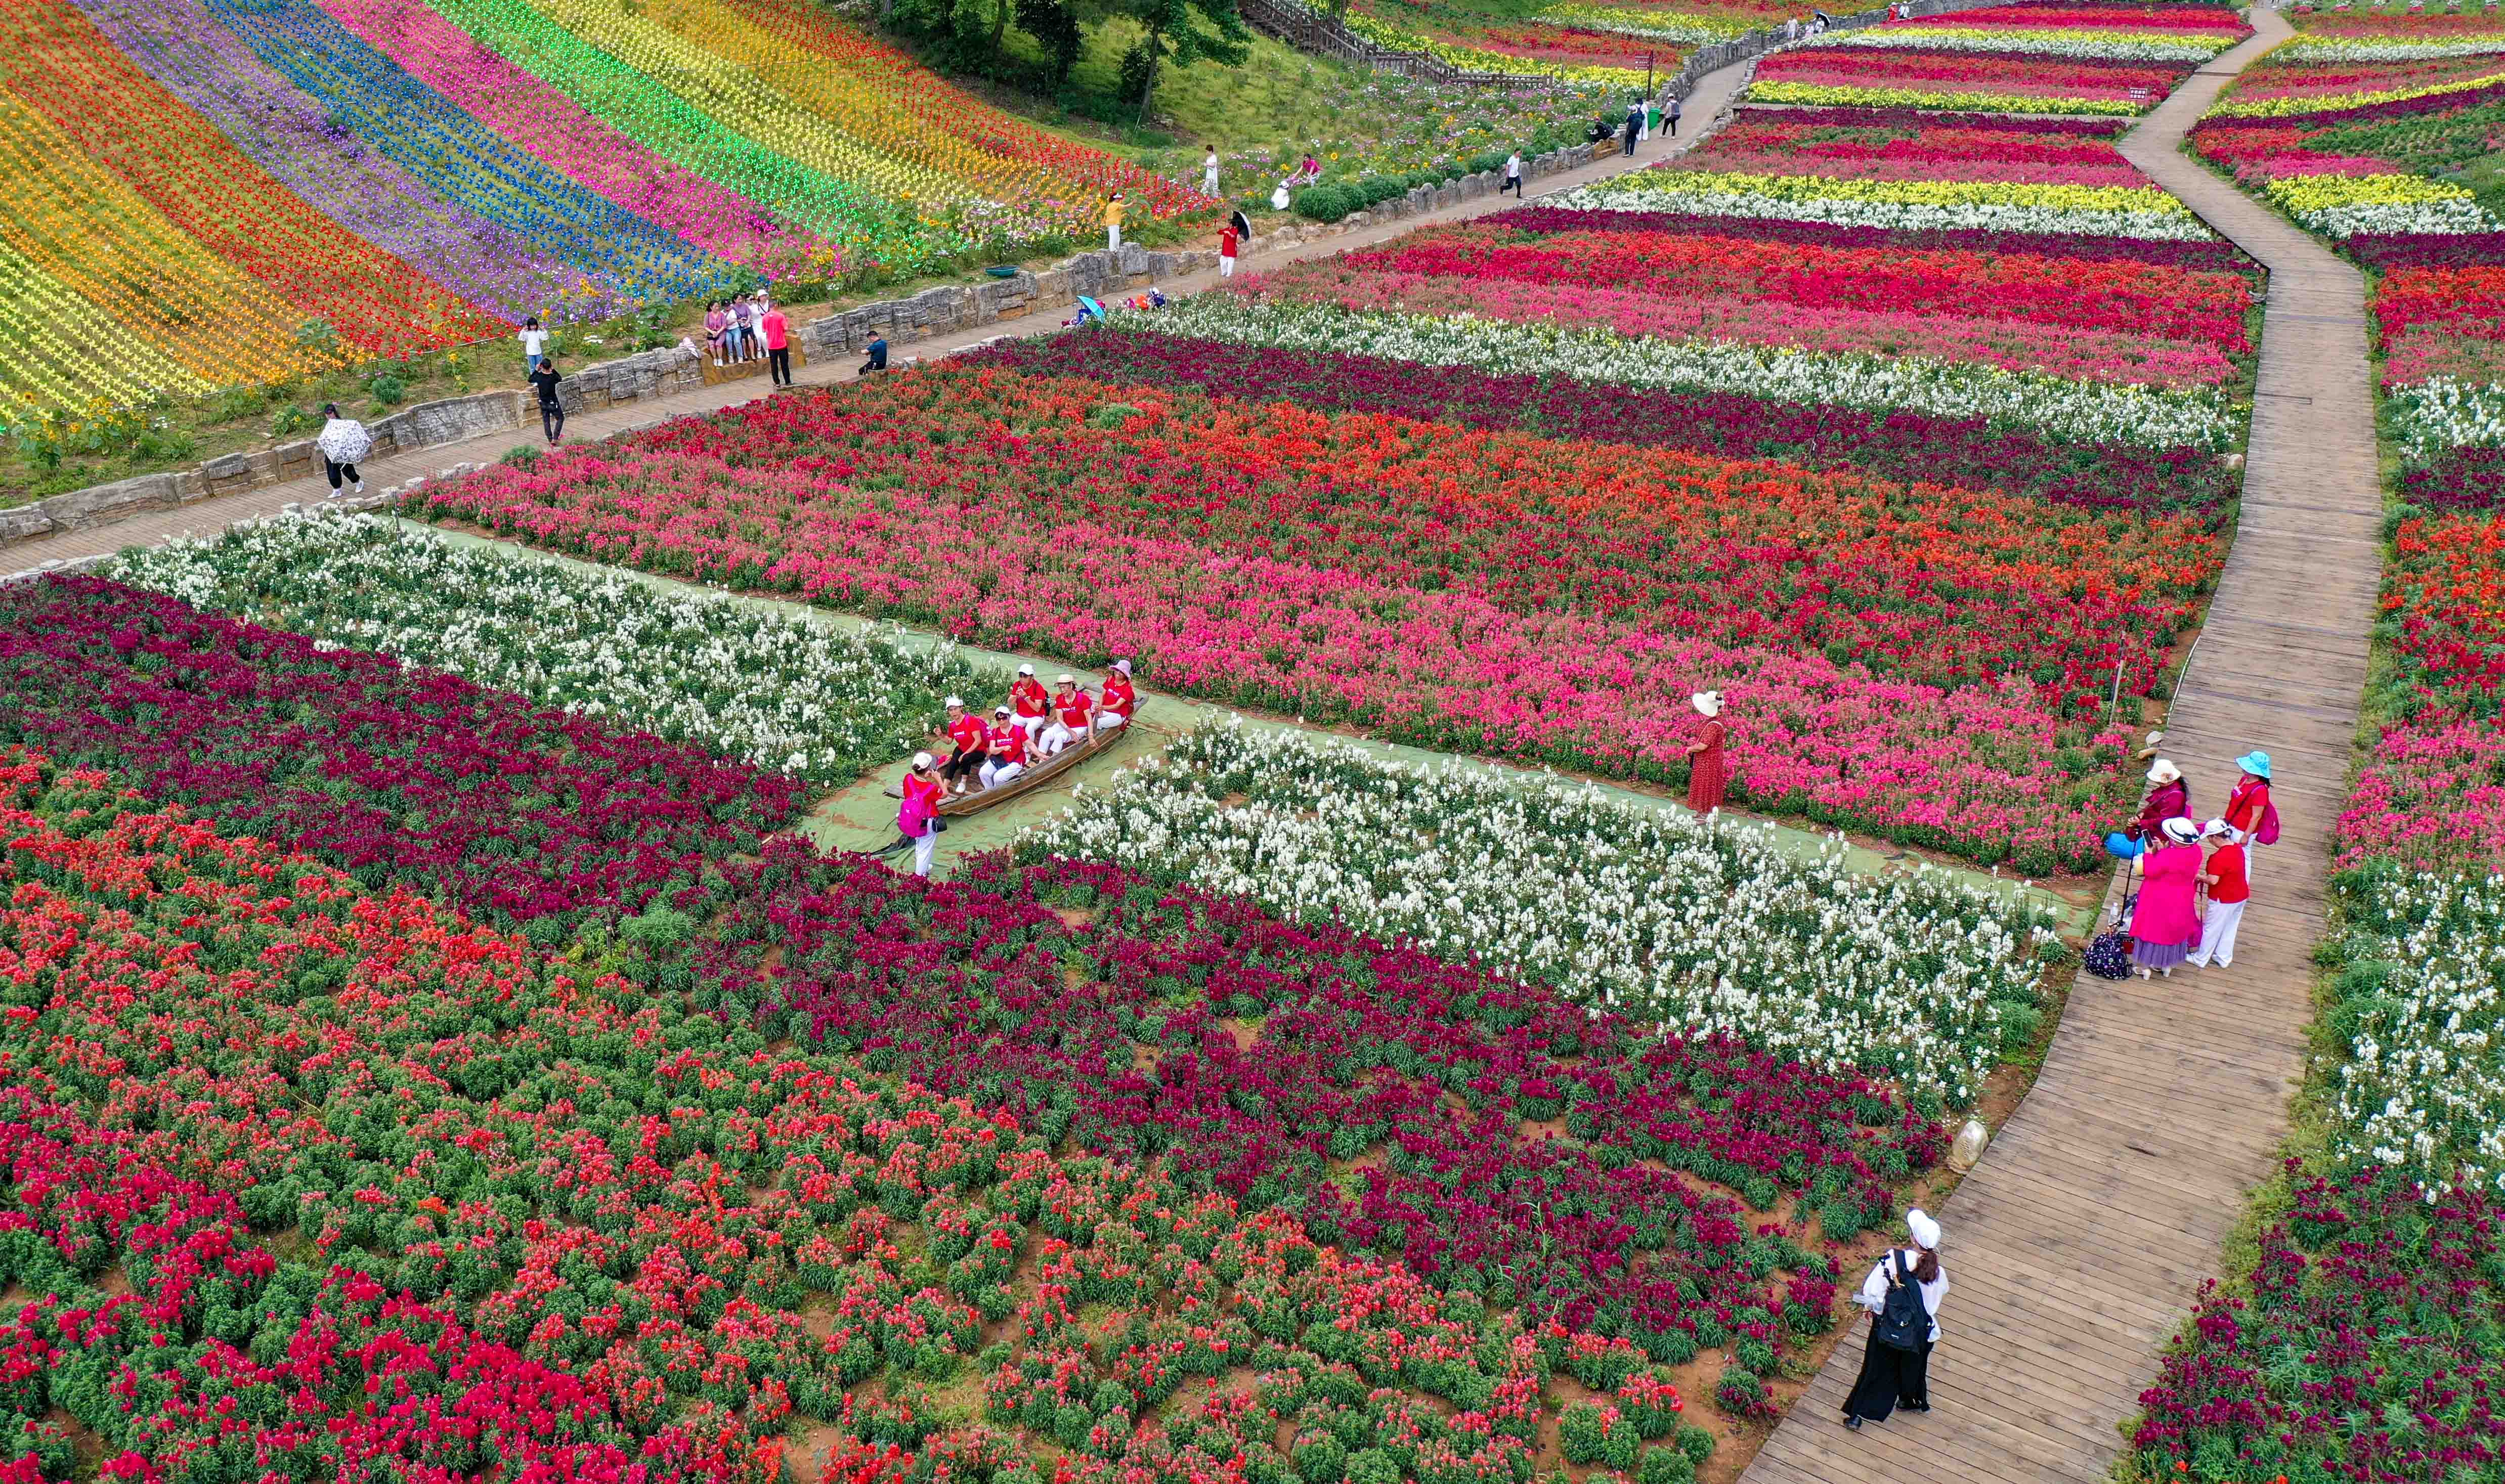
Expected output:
(393, 772)
(2140, 297)
(544, 1221)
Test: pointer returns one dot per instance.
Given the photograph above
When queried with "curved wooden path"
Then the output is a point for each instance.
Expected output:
(2075, 1248)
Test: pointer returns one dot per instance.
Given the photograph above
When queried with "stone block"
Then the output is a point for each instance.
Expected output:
(226, 466)
(24, 523)
(103, 504)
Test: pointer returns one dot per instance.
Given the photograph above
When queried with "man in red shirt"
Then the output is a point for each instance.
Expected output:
(2229, 891)
(973, 745)
(1074, 715)
(778, 345)
(1028, 702)
(1114, 707)
(1009, 749)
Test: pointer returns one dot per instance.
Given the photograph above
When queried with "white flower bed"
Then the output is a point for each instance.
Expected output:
(2341, 48)
(1651, 914)
(2444, 412)
(2087, 211)
(2082, 42)
(774, 692)
(2421, 1005)
(2080, 411)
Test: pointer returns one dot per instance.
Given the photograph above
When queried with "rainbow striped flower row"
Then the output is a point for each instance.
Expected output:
(2034, 56)
(217, 192)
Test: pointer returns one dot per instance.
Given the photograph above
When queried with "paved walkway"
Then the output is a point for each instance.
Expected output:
(1703, 108)
(2075, 1248)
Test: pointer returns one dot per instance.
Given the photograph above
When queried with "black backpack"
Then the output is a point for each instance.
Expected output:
(1903, 1323)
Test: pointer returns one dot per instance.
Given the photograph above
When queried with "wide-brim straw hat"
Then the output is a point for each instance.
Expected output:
(2163, 771)
(1706, 702)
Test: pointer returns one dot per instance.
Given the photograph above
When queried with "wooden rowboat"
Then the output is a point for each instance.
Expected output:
(954, 806)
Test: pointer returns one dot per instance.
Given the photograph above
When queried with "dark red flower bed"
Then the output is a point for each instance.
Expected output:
(2457, 479)
(393, 772)
(1390, 1101)
(1901, 445)
(2367, 1349)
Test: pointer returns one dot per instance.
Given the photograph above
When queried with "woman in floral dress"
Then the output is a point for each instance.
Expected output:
(1706, 776)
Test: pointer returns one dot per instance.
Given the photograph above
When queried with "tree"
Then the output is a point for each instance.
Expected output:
(1050, 22)
(1181, 31)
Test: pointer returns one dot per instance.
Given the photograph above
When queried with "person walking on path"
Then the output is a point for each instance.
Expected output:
(778, 346)
(2165, 926)
(917, 819)
(534, 343)
(2168, 797)
(543, 382)
(1706, 776)
(2249, 809)
(1635, 125)
(1903, 1294)
(1672, 118)
(1512, 175)
(341, 443)
(2229, 891)
(1209, 170)
(1226, 245)
(1113, 223)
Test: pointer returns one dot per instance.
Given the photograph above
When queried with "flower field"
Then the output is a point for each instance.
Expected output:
(771, 691)
(2034, 56)
(2368, 128)
(1648, 913)
(200, 181)
(2362, 1345)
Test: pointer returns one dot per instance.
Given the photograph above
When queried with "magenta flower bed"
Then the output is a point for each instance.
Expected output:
(1317, 1072)
(1901, 445)
(392, 772)
(2366, 1351)
(2429, 797)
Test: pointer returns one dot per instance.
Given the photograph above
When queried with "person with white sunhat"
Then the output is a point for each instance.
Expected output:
(2228, 890)
(2168, 797)
(2165, 926)
(969, 745)
(1030, 704)
(1007, 744)
(917, 819)
(1903, 1294)
(1074, 715)
(1708, 778)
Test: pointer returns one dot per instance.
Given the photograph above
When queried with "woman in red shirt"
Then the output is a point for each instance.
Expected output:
(1114, 707)
(1073, 716)
(918, 817)
(970, 741)
(1030, 701)
(2249, 810)
(2229, 891)
(1008, 747)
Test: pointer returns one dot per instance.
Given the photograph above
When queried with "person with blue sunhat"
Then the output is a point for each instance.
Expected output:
(2249, 810)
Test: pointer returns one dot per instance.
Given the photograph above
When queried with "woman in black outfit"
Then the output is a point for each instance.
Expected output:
(551, 410)
(1893, 1377)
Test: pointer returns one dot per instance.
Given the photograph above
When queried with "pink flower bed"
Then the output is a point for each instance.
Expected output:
(2087, 355)
(1974, 771)
(2429, 797)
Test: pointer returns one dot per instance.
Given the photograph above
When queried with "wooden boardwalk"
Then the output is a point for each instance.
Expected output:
(2076, 1247)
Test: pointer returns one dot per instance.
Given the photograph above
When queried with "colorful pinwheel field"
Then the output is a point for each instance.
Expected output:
(209, 196)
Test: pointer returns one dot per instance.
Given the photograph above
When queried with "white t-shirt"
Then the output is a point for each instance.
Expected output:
(532, 341)
(1513, 167)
